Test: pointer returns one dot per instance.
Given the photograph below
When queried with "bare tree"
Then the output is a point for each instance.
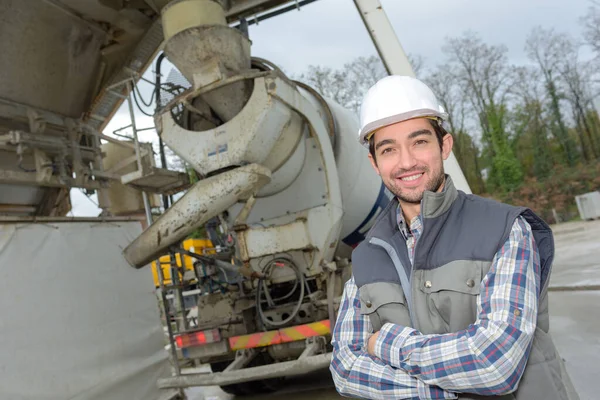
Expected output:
(417, 62)
(348, 85)
(449, 93)
(577, 78)
(483, 72)
(443, 82)
(361, 74)
(591, 22)
(333, 84)
(547, 48)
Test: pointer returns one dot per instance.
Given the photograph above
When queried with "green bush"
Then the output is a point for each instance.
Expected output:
(557, 191)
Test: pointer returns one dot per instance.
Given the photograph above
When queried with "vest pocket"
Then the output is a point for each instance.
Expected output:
(383, 302)
(448, 296)
(457, 276)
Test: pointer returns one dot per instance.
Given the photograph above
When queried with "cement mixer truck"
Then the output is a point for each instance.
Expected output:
(284, 188)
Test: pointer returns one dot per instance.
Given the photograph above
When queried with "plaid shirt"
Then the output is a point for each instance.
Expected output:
(488, 358)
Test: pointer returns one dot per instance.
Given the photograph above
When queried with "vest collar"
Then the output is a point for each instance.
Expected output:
(432, 205)
(435, 204)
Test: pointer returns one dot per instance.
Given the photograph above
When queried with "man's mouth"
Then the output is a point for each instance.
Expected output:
(411, 177)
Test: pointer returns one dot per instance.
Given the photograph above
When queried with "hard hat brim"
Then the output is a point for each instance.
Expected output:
(369, 129)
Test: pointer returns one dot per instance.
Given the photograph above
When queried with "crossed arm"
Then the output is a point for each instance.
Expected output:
(488, 358)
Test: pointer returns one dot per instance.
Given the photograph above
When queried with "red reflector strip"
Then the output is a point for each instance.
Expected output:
(198, 338)
(284, 335)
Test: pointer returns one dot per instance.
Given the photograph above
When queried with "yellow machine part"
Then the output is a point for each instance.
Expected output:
(200, 246)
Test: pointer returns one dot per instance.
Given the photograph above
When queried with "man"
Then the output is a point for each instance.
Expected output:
(448, 295)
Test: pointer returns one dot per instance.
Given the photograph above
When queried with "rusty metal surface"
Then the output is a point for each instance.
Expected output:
(206, 199)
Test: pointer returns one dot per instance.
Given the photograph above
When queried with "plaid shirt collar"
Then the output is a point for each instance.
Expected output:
(415, 226)
(402, 225)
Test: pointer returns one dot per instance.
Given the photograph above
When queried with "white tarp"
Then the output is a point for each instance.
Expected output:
(77, 322)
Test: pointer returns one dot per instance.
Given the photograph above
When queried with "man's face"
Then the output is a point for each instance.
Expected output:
(409, 160)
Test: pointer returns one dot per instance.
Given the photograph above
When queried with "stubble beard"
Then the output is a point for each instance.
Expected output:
(433, 185)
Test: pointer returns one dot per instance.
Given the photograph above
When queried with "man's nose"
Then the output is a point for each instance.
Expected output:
(406, 159)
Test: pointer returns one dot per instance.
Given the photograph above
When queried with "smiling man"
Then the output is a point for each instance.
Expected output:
(448, 295)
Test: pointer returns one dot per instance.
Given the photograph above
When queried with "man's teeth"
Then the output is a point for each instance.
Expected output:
(412, 177)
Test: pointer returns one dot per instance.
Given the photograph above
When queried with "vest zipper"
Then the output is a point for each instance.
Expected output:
(404, 281)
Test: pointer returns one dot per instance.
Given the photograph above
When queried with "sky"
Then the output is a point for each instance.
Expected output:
(330, 33)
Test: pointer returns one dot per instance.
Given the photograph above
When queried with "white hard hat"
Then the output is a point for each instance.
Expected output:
(395, 99)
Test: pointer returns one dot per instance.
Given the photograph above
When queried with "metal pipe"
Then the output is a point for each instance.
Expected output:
(211, 261)
(330, 294)
(121, 128)
(161, 144)
(147, 208)
(92, 131)
(283, 10)
(182, 325)
(103, 197)
(158, 82)
(206, 199)
(138, 155)
(283, 369)
(146, 129)
(137, 75)
(165, 302)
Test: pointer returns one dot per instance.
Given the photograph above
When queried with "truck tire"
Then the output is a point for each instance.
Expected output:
(254, 387)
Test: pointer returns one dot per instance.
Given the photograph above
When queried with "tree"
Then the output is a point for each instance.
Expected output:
(529, 126)
(577, 78)
(547, 49)
(483, 72)
(333, 84)
(417, 62)
(448, 92)
(348, 85)
(591, 33)
(362, 73)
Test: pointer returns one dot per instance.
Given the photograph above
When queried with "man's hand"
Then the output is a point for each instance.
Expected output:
(371, 343)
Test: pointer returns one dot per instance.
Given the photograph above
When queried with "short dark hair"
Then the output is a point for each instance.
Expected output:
(439, 130)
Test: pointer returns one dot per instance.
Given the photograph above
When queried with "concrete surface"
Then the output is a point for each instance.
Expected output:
(574, 321)
(575, 315)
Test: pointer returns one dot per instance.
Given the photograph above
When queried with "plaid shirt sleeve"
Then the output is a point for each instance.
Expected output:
(356, 373)
(489, 357)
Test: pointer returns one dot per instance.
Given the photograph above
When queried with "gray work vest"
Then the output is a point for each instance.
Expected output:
(438, 293)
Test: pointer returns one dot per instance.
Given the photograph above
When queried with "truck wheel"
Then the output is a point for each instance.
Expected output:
(254, 387)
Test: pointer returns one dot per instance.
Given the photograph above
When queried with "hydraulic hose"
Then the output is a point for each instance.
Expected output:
(299, 278)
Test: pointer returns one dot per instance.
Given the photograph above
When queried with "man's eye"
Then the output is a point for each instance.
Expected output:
(419, 142)
(388, 150)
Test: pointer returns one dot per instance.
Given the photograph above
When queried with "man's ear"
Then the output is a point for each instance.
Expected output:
(447, 143)
(374, 163)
